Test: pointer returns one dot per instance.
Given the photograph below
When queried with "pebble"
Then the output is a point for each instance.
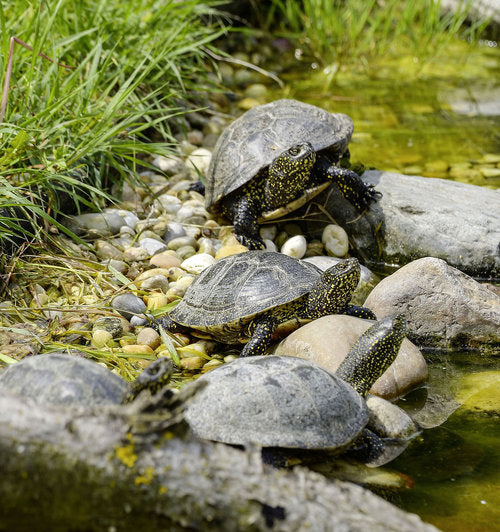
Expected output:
(106, 250)
(191, 363)
(184, 252)
(137, 349)
(335, 240)
(232, 249)
(168, 203)
(118, 265)
(150, 337)
(197, 263)
(96, 225)
(111, 324)
(133, 254)
(152, 245)
(101, 338)
(156, 300)
(270, 245)
(128, 305)
(177, 243)
(295, 247)
(165, 259)
(198, 161)
(157, 282)
(170, 165)
(268, 232)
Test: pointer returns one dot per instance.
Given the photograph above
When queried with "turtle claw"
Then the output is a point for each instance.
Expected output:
(251, 242)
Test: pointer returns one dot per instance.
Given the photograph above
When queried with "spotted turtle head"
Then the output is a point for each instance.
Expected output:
(296, 161)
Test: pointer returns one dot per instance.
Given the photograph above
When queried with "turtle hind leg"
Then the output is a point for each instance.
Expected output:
(244, 212)
(352, 187)
(367, 447)
(261, 337)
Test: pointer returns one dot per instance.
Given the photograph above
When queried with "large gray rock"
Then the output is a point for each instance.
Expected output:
(425, 217)
(327, 340)
(443, 306)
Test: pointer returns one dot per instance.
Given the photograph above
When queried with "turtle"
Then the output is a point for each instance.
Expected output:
(62, 379)
(273, 159)
(248, 297)
(278, 401)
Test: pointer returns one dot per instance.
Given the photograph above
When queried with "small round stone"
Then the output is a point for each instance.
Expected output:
(197, 263)
(157, 282)
(198, 161)
(268, 232)
(134, 254)
(192, 362)
(335, 240)
(156, 300)
(181, 241)
(128, 305)
(295, 247)
(150, 337)
(174, 230)
(225, 251)
(136, 349)
(184, 252)
(152, 246)
(101, 338)
(111, 324)
(270, 245)
(165, 259)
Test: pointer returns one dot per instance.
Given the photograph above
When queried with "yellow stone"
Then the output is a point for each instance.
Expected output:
(135, 349)
(226, 251)
(156, 300)
(192, 362)
(101, 338)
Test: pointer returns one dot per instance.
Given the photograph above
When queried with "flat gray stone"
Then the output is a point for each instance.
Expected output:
(425, 217)
(327, 340)
(444, 307)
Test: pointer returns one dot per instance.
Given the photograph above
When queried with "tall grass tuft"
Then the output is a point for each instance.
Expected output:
(346, 32)
(135, 65)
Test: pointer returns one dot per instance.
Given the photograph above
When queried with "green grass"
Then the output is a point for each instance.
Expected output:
(357, 33)
(136, 66)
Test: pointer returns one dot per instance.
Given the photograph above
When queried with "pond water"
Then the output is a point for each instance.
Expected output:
(443, 124)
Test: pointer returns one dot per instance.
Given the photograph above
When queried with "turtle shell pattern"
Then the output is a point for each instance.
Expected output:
(253, 141)
(63, 379)
(227, 295)
(277, 401)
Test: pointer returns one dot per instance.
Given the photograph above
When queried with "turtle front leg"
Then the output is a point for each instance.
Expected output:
(244, 214)
(352, 187)
(261, 337)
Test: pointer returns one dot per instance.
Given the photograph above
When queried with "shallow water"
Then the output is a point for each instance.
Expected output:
(442, 124)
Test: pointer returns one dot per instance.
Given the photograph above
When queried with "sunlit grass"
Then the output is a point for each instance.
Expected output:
(67, 133)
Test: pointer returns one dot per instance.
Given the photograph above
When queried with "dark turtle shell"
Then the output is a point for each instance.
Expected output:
(63, 379)
(237, 288)
(277, 401)
(252, 142)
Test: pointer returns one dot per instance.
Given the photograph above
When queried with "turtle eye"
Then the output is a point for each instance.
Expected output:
(294, 151)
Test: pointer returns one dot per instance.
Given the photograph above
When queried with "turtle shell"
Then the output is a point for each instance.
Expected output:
(277, 401)
(225, 296)
(63, 379)
(252, 142)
